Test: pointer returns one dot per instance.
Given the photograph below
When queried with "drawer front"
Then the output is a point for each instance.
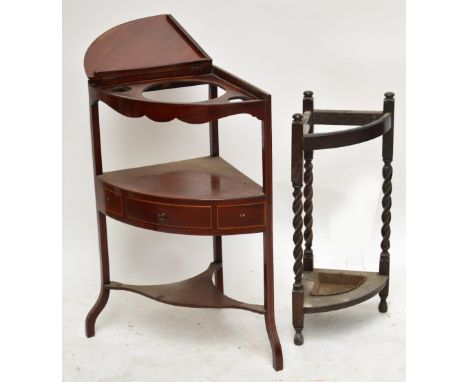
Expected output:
(240, 216)
(169, 215)
(113, 202)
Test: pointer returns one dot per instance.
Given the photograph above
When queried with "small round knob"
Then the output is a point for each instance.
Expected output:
(162, 216)
(308, 93)
(108, 199)
(242, 215)
(389, 95)
(297, 117)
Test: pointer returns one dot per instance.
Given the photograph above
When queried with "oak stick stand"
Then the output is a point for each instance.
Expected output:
(322, 290)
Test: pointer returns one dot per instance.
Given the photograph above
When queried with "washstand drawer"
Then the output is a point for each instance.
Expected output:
(113, 202)
(242, 215)
(168, 215)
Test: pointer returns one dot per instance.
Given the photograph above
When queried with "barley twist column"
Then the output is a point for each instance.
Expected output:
(308, 219)
(297, 237)
(308, 107)
(387, 172)
(296, 179)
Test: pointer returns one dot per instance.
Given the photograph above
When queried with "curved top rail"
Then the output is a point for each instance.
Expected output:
(344, 117)
(348, 137)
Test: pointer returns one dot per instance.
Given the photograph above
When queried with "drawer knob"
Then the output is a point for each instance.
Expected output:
(242, 215)
(108, 199)
(162, 216)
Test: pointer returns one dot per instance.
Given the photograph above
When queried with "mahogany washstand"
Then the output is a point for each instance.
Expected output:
(322, 290)
(201, 196)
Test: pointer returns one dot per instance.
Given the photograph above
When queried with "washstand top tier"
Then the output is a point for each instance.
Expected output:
(153, 44)
(133, 59)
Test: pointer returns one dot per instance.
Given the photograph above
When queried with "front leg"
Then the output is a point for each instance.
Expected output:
(218, 258)
(269, 301)
(105, 279)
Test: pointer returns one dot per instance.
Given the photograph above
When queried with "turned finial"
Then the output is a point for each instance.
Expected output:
(308, 93)
(389, 95)
(297, 117)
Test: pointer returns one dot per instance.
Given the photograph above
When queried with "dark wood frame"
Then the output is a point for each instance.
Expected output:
(123, 91)
(304, 143)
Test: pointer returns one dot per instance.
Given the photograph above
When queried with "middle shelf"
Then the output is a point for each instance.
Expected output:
(201, 196)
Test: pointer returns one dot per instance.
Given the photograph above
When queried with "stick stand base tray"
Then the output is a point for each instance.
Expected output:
(341, 289)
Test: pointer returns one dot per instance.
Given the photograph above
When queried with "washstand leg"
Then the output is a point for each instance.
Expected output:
(214, 152)
(218, 258)
(104, 294)
(269, 301)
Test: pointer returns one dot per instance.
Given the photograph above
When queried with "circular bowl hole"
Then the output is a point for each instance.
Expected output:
(237, 99)
(180, 91)
(121, 89)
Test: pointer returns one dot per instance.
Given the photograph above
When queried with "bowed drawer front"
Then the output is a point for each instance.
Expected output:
(169, 215)
(241, 216)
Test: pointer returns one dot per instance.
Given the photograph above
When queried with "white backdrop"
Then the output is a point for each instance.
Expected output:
(349, 54)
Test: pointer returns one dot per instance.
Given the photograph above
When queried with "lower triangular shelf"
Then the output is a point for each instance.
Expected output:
(341, 289)
(196, 292)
